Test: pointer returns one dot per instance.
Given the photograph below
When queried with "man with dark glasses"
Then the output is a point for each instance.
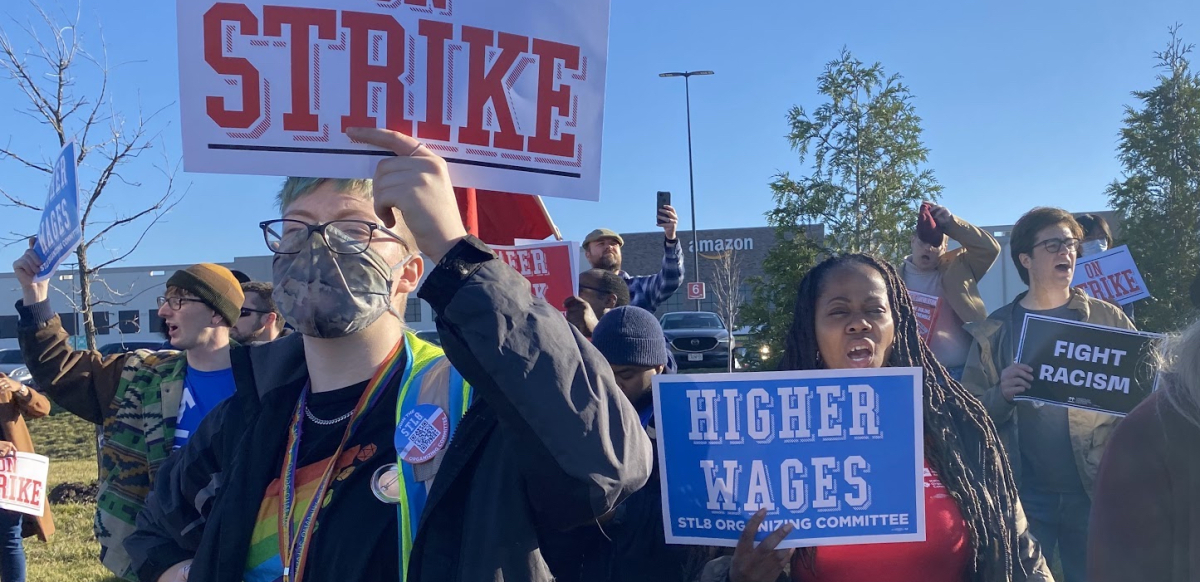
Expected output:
(1056, 452)
(599, 292)
(148, 403)
(259, 319)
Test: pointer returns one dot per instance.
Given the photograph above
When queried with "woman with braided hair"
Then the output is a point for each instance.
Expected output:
(853, 311)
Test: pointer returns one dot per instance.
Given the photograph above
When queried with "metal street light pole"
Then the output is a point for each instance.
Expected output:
(687, 92)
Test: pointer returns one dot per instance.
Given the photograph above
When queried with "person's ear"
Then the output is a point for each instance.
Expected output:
(660, 369)
(409, 276)
(611, 301)
(1026, 260)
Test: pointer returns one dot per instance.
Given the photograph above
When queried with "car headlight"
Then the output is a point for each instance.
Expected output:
(723, 340)
(21, 375)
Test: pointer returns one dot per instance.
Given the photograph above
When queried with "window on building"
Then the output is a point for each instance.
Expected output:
(412, 312)
(130, 321)
(100, 319)
(156, 322)
(70, 323)
(8, 327)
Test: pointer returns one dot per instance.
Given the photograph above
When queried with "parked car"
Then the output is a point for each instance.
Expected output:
(698, 339)
(431, 336)
(126, 347)
(13, 366)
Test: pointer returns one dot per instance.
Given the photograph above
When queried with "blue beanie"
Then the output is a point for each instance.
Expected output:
(631, 336)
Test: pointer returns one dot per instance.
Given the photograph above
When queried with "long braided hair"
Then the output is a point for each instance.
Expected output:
(961, 442)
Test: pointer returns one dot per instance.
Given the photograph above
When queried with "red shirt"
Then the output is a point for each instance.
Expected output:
(943, 557)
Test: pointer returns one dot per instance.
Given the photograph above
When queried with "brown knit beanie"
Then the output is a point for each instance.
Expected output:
(214, 285)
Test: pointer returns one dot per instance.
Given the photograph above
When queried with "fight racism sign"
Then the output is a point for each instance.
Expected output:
(509, 92)
(839, 454)
(1092, 367)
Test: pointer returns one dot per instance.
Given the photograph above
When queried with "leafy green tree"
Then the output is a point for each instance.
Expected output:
(863, 183)
(1158, 197)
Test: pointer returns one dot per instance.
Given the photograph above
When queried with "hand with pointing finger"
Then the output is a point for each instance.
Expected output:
(762, 563)
(417, 184)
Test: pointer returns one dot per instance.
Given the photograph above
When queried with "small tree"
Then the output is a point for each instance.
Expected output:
(865, 181)
(1158, 198)
(727, 290)
(48, 69)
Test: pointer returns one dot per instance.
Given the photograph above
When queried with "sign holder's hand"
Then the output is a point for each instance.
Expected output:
(177, 573)
(762, 563)
(669, 221)
(26, 268)
(417, 184)
(1015, 379)
(7, 449)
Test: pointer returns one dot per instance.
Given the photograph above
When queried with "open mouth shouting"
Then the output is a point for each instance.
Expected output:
(860, 353)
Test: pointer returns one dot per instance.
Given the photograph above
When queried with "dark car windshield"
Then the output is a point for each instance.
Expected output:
(11, 357)
(691, 321)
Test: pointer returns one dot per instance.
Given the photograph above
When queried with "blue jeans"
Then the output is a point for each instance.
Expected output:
(12, 553)
(1060, 520)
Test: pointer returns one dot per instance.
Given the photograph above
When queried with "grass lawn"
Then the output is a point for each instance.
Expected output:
(72, 554)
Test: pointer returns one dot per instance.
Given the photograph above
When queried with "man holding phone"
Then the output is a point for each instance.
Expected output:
(603, 250)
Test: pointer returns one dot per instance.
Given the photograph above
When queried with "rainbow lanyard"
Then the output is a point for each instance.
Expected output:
(294, 540)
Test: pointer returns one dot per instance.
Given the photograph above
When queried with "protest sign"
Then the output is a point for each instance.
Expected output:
(926, 308)
(839, 454)
(551, 267)
(59, 232)
(1091, 367)
(1110, 276)
(509, 92)
(23, 483)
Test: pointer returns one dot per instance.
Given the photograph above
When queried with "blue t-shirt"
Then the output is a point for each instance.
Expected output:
(202, 392)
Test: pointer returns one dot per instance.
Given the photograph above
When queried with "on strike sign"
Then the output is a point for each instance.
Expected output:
(1111, 276)
(23, 483)
(839, 454)
(550, 268)
(509, 92)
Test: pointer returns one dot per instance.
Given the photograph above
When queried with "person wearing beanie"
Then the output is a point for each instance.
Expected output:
(629, 544)
(950, 276)
(148, 402)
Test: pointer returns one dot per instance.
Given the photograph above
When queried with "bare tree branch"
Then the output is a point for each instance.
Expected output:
(15, 202)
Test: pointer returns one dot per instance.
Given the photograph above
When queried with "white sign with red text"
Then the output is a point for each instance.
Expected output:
(23, 483)
(509, 92)
(1111, 276)
(550, 267)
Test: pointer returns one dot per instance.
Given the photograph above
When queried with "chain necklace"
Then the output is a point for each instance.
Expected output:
(308, 413)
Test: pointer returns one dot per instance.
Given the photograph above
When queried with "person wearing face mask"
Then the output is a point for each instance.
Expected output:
(148, 403)
(1097, 237)
(1055, 451)
(354, 451)
(853, 311)
(952, 276)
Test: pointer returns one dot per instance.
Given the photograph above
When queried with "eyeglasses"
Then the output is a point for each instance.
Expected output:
(288, 237)
(246, 311)
(176, 303)
(1055, 245)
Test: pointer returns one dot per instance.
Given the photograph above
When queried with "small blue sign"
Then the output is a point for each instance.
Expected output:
(839, 454)
(59, 232)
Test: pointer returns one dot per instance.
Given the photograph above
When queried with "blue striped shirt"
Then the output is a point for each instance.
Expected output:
(649, 291)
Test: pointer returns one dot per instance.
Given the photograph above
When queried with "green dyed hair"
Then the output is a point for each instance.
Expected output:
(296, 188)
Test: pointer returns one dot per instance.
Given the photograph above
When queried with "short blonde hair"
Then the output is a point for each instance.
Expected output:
(294, 189)
(1179, 364)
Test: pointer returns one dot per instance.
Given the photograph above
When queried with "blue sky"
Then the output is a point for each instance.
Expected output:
(1021, 103)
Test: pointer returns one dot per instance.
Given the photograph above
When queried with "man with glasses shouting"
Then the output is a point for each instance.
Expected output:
(1056, 452)
(355, 452)
(148, 403)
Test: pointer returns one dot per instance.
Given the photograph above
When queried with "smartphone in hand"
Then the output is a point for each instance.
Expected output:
(664, 199)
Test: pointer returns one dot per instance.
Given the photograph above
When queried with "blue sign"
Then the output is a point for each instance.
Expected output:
(60, 231)
(839, 454)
